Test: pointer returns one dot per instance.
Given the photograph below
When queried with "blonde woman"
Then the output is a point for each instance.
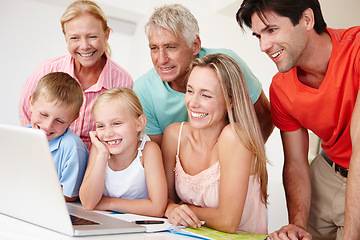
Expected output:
(216, 164)
(86, 32)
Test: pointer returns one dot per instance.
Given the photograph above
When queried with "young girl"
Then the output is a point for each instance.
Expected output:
(125, 172)
(216, 164)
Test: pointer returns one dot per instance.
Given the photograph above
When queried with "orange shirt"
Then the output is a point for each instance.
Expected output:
(327, 110)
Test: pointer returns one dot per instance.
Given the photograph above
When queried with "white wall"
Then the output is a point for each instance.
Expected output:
(30, 33)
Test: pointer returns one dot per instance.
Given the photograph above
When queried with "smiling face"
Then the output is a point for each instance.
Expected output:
(283, 42)
(116, 126)
(204, 98)
(85, 39)
(50, 117)
(171, 56)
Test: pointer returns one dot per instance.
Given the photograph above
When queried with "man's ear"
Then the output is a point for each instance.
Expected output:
(141, 122)
(308, 18)
(197, 45)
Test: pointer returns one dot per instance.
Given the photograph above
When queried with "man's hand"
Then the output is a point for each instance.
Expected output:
(290, 232)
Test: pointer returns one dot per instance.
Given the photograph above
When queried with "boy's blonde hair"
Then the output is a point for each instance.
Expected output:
(125, 96)
(80, 7)
(61, 88)
(240, 109)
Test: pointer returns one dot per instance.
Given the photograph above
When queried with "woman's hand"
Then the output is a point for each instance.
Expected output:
(184, 216)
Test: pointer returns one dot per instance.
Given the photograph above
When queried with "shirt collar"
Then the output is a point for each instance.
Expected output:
(55, 143)
(101, 82)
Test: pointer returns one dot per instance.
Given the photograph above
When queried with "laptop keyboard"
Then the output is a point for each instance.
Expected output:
(81, 221)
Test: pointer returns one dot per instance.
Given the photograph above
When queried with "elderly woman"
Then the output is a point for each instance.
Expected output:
(86, 33)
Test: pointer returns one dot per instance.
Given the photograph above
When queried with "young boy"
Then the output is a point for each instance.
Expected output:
(54, 105)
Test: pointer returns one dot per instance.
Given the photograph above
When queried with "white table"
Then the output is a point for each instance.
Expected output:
(14, 229)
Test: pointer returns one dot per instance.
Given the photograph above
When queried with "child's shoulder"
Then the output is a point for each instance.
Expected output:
(150, 146)
(150, 152)
(69, 148)
(71, 140)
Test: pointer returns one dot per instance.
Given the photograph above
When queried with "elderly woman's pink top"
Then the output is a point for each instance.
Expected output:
(202, 190)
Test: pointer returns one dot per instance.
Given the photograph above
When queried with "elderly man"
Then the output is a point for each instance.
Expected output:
(174, 42)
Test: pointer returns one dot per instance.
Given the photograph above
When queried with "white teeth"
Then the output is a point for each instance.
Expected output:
(167, 69)
(87, 55)
(276, 54)
(114, 142)
(46, 132)
(198, 115)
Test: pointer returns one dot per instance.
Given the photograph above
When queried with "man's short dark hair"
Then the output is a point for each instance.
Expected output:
(293, 9)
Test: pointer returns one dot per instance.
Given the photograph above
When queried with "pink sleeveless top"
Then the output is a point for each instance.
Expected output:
(202, 190)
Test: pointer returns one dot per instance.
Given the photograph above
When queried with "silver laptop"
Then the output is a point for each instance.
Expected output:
(30, 189)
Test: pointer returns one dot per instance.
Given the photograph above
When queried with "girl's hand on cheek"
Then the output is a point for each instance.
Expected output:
(101, 148)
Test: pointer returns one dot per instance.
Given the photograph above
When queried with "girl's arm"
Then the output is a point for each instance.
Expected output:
(92, 187)
(176, 214)
(156, 185)
(235, 168)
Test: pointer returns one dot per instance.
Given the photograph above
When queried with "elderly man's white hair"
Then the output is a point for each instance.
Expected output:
(175, 18)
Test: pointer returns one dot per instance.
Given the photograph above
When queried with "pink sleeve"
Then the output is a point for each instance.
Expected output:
(27, 89)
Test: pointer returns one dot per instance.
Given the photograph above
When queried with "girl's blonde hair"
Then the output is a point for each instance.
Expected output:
(125, 96)
(240, 109)
(80, 7)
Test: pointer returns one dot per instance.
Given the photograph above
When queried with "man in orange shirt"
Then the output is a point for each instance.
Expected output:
(317, 89)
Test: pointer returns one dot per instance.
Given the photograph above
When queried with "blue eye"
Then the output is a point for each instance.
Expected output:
(271, 30)
(153, 48)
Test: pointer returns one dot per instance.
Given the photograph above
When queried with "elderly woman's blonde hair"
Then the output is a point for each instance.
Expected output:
(80, 7)
(175, 18)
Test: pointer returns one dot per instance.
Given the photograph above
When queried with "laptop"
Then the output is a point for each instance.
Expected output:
(30, 188)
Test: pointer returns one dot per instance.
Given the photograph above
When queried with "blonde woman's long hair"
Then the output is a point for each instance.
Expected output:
(240, 109)
(79, 7)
